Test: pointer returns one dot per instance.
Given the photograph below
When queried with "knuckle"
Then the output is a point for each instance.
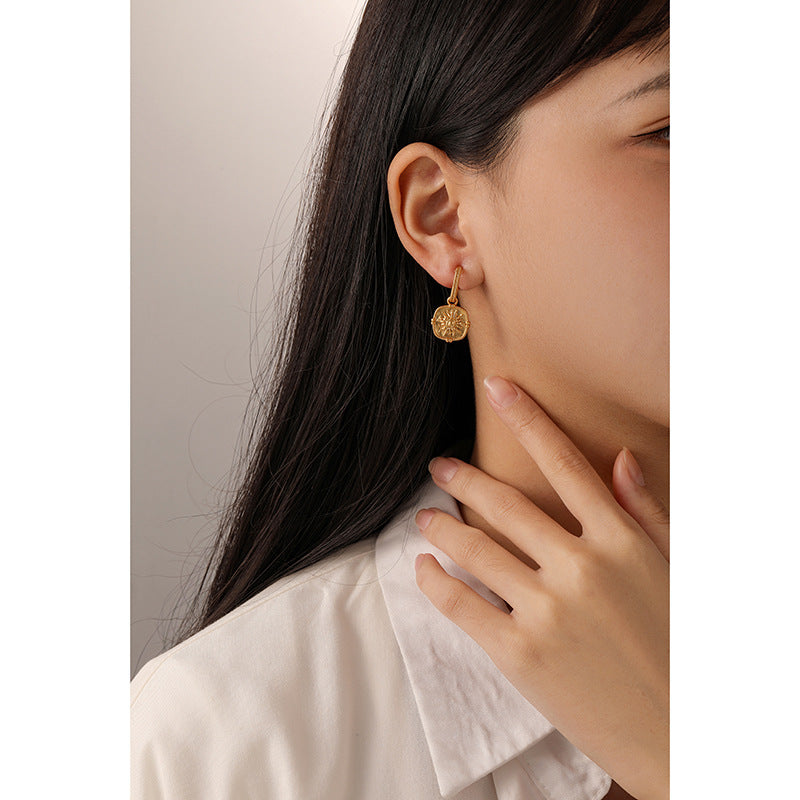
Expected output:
(568, 460)
(532, 420)
(507, 504)
(620, 528)
(522, 646)
(584, 569)
(534, 658)
(549, 615)
(658, 512)
(528, 648)
(622, 551)
(452, 602)
(465, 478)
(473, 547)
(478, 552)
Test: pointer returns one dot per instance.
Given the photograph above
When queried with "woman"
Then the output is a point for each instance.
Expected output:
(510, 159)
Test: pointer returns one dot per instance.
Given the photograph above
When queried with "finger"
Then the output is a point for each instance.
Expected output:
(647, 509)
(567, 470)
(477, 617)
(479, 555)
(504, 507)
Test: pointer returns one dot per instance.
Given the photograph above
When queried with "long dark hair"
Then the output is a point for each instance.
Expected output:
(358, 395)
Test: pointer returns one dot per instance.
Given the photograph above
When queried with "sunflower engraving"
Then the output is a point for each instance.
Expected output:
(450, 322)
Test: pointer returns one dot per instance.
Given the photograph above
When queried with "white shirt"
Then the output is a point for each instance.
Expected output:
(344, 682)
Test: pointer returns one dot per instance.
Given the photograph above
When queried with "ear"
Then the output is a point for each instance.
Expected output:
(425, 192)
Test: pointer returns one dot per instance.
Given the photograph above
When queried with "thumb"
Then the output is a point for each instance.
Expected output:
(639, 502)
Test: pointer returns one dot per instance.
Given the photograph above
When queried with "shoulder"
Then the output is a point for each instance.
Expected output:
(265, 618)
(225, 703)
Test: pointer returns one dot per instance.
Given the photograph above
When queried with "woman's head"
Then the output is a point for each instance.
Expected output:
(359, 394)
(563, 240)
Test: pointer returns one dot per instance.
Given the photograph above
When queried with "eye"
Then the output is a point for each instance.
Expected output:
(661, 136)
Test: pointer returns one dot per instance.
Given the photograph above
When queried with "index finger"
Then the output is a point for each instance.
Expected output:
(566, 468)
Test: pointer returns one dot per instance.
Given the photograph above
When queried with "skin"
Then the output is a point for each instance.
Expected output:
(565, 276)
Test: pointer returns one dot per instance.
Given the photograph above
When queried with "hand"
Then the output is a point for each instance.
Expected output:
(587, 641)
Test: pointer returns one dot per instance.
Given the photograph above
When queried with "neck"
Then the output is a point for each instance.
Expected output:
(598, 429)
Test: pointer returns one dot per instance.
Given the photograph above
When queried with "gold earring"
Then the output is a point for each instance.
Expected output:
(451, 322)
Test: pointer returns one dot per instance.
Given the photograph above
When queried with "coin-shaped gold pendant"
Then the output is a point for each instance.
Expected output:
(450, 322)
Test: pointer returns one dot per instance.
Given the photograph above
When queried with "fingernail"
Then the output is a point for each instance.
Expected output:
(634, 470)
(423, 518)
(418, 560)
(500, 390)
(442, 468)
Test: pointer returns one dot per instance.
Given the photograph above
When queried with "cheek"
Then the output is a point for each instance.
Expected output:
(588, 271)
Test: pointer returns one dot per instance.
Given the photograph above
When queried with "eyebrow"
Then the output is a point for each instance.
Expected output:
(654, 84)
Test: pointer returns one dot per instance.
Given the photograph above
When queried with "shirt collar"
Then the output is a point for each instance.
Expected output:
(474, 719)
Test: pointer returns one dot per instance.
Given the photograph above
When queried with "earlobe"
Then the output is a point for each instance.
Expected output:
(425, 203)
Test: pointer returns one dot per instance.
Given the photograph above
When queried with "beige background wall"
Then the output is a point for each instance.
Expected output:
(226, 96)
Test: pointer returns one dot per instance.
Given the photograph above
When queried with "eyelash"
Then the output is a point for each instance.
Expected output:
(655, 136)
